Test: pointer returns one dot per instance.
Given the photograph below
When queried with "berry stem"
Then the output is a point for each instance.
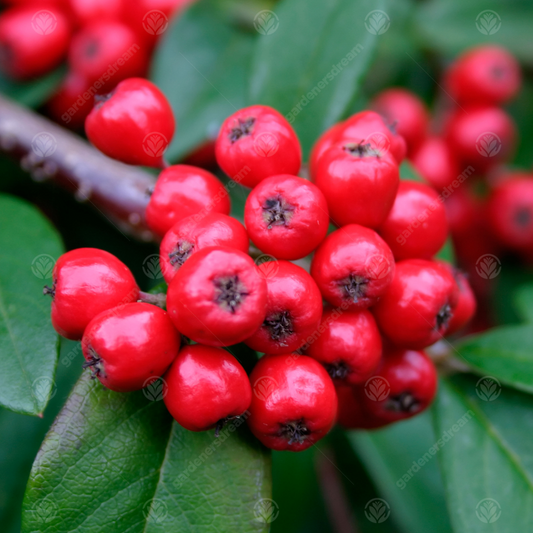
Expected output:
(155, 299)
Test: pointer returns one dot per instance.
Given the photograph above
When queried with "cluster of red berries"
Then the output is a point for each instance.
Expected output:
(386, 296)
(103, 42)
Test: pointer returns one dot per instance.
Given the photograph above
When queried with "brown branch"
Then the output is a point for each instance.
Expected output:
(51, 153)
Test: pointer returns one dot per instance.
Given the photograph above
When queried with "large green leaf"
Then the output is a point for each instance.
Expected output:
(29, 247)
(317, 48)
(487, 459)
(118, 463)
(414, 494)
(201, 67)
(453, 25)
(504, 353)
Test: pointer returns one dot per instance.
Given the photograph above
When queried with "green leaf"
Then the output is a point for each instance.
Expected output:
(117, 462)
(201, 66)
(524, 303)
(318, 49)
(486, 458)
(504, 353)
(29, 247)
(450, 26)
(32, 93)
(414, 495)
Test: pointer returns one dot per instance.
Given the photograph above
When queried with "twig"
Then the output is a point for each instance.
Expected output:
(51, 153)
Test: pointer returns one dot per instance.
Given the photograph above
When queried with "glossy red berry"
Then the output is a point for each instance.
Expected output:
(134, 123)
(286, 216)
(205, 388)
(255, 143)
(294, 403)
(410, 381)
(487, 74)
(416, 226)
(510, 211)
(325, 141)
(436, 162)
(371, 127)
(482, 137)
(359, 183)
(217, 297)
(106, 52)
(352, 412)
(130, 346)
(293, 310)
(33, 40)
(182, 191)
(87, 11)
(192, 234)
(416, 310)
(406, 112)
(87, 282)
(353, 267)
(466, 302)
(348, 344)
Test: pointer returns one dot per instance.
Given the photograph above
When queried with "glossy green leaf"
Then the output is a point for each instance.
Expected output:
(453, 25)
(32, 93)
(413, 494)
(504, 353)
(29, 247)
(311, 57)
(118, 463)
(201, 66)
(487, 456)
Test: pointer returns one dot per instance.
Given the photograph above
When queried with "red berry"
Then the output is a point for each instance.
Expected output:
(286, 216)
(72, 101)
(406, 112)
(217, 297)
(182, 191)
(352, 411)
(359, 183)
(436, 162)
(294, 403)
(205, 388)
(353, 267)
(371, 127)
(417, 308)
(255, 143)
(466, 303)
(416, 226)
(482, 137)
(325, 141)
(106, 52)
(87, 282)
(486, 74)
(88, 11)
(190, 235)
(348, 344)
(33, 40)
(130, 346)
(293, 310)
(411, 381)
(133, 124)
(510, 211)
